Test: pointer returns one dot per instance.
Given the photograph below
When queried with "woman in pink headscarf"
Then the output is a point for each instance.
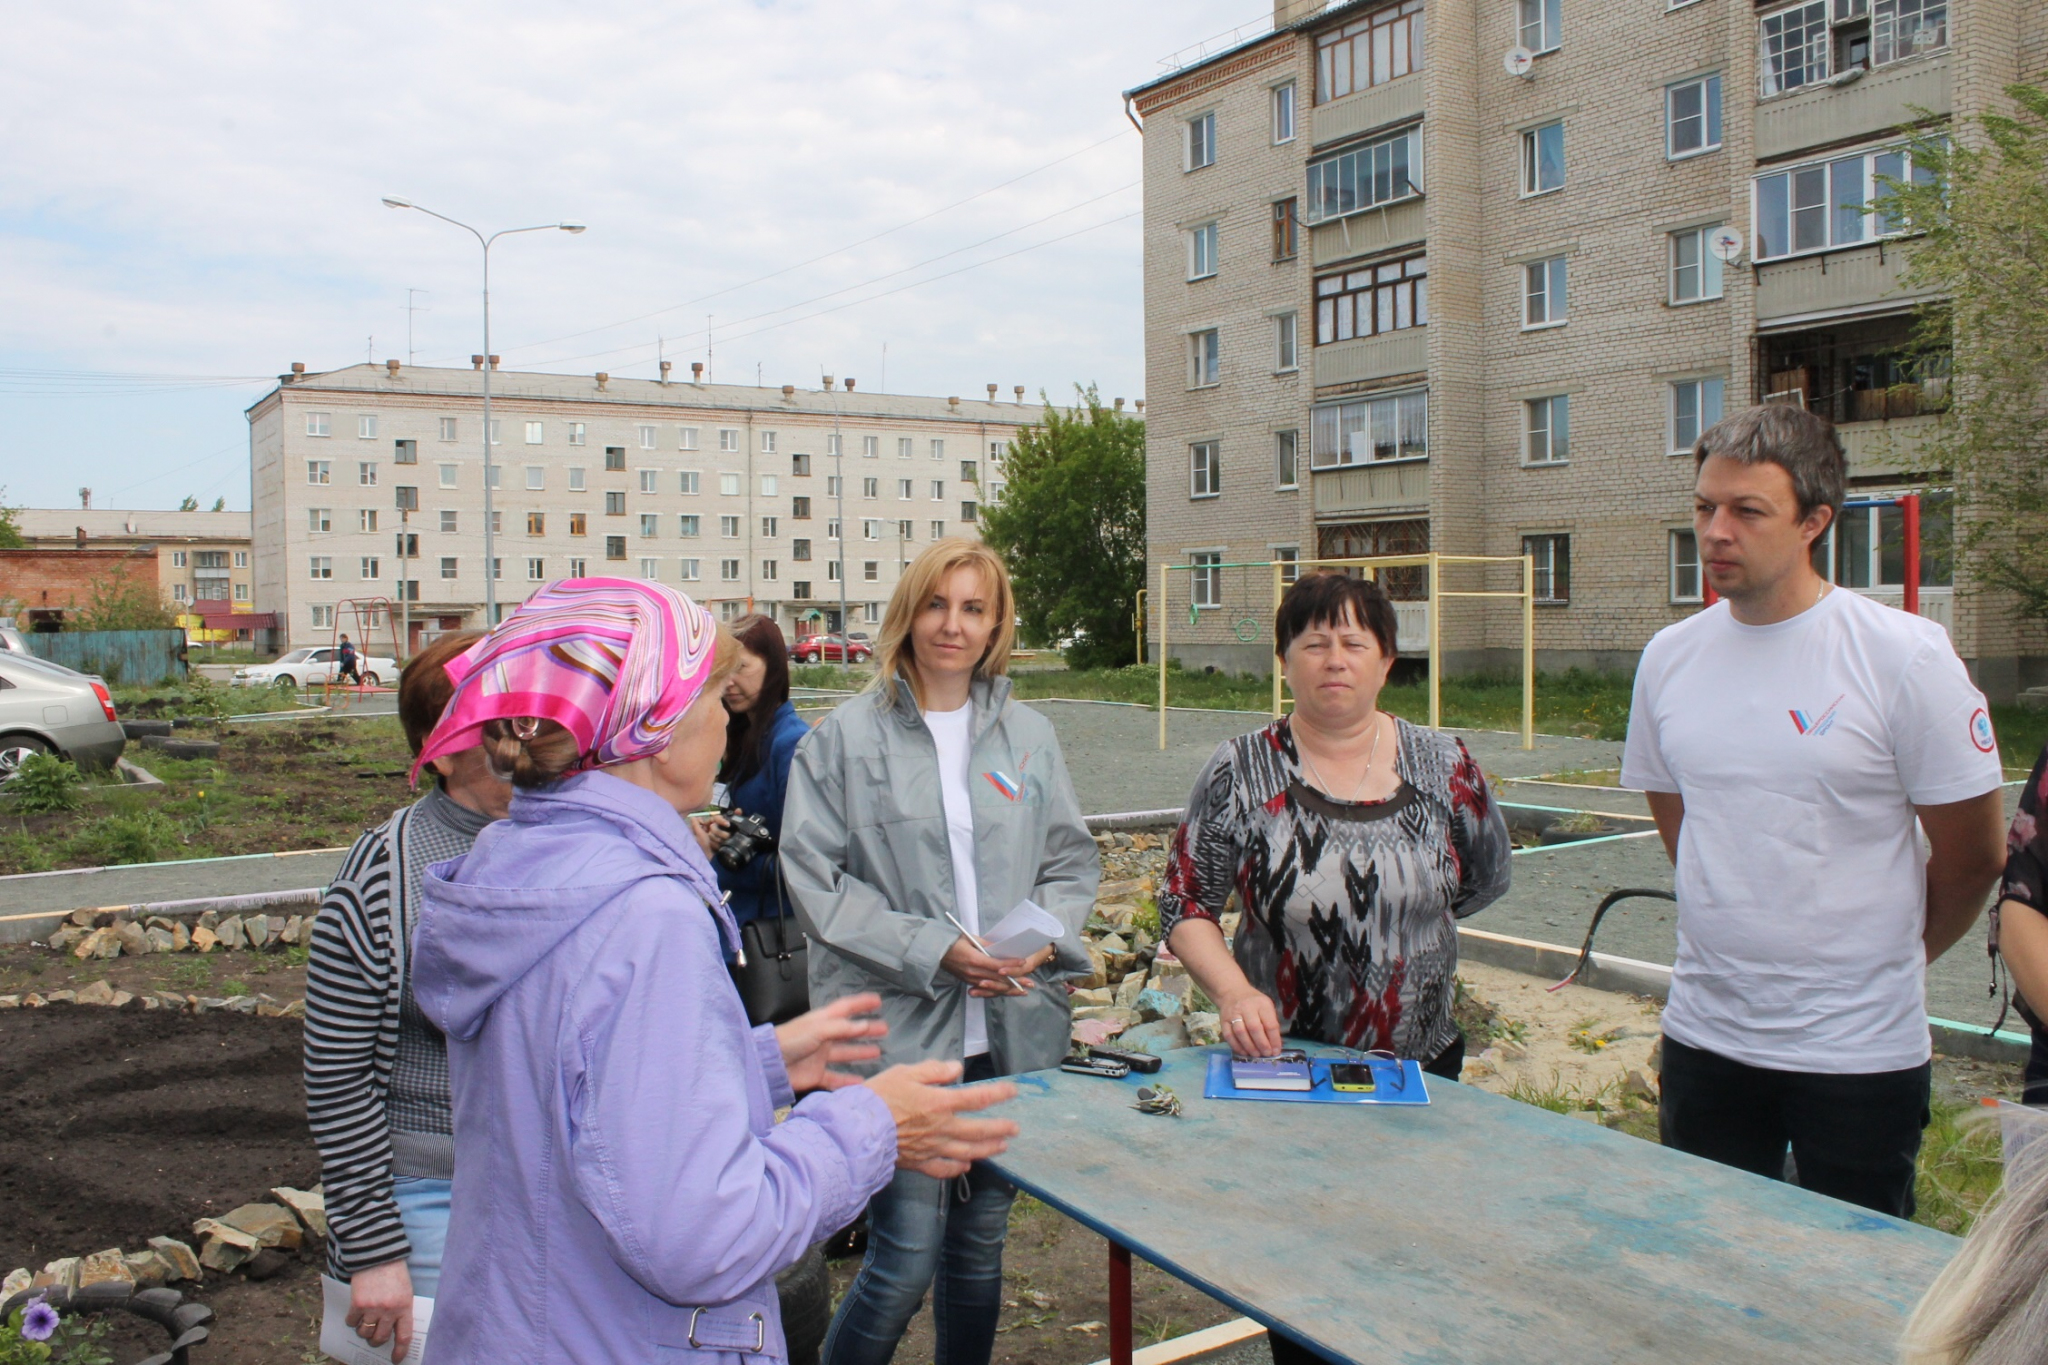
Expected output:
(622, 1184)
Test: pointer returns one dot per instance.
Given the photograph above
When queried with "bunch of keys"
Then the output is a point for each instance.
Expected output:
(1158, 1099)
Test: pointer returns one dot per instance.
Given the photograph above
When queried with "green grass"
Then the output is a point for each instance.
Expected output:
(1962, 1163)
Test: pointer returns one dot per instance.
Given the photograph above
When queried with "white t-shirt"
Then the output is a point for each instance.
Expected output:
(1801, 749)
(953, 732)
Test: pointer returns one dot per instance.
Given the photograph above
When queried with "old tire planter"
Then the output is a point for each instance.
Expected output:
(806, 1296)
(184, 1324)
(182, 748)
(136, 729)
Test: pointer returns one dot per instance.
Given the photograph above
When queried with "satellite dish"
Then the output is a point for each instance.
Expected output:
(1725, 243)
(1519, 61)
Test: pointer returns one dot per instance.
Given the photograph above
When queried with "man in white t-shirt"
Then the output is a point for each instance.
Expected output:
(1788, 738)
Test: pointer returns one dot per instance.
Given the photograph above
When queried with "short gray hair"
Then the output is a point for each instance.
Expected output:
(1787, 435)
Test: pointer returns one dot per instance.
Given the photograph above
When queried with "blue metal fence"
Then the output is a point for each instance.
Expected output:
(140, 657)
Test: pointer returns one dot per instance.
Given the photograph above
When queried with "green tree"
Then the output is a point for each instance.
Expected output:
(10, 528)
(1979, 204)
(118, 602)
(220, 504)
(1071, 526)
(189, 504)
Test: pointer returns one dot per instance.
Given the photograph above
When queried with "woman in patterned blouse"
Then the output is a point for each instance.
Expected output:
(2019, 923)
(1354, 841)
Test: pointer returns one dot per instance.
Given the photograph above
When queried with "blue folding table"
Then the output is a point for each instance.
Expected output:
(1476, 1229)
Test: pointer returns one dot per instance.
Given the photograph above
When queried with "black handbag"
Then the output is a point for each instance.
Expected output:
(772, 971)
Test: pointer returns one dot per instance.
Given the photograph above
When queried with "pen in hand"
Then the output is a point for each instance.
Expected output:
(983, 948)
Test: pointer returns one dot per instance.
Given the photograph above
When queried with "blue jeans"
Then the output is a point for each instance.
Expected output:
(946, 1234)
(423, 1208)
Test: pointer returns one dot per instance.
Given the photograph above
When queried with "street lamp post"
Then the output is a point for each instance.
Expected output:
(839, 477)
(490, 532)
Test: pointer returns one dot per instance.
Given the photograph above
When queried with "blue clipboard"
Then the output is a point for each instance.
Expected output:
(1394, 1083)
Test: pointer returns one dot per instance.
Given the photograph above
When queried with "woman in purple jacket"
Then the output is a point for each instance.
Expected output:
(626, 1187)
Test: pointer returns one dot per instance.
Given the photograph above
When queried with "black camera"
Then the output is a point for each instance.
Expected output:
(747, 837)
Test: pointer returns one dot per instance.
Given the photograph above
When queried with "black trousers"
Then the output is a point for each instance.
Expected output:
(2035, 1077)
(1855, 1137)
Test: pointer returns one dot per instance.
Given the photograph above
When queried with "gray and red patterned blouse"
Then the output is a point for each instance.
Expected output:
(1350, 909)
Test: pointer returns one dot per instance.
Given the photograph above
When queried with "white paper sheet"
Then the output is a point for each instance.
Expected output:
(1023, 931)
(339, 1341)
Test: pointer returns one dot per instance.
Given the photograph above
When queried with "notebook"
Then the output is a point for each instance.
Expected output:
(339, 1340)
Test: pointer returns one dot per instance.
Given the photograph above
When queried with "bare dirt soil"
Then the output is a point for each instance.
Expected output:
(280, 973)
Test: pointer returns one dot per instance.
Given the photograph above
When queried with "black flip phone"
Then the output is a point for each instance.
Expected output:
(1096, 1066)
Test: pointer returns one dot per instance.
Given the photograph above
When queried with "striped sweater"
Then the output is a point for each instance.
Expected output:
(376, 1071)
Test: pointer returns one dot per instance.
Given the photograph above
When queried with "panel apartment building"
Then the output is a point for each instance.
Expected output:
(1402, 297)
(729, 493)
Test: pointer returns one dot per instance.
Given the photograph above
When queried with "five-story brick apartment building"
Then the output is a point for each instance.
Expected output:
(1408, 289)
(730, 493)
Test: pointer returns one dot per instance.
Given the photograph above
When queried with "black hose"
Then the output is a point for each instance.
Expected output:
(1586, 948)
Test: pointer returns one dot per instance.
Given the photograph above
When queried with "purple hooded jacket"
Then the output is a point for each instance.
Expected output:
(622, 1186)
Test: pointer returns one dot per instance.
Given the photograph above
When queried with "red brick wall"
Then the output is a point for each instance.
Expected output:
(35, 580)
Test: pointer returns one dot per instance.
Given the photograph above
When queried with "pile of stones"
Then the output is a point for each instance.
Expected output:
(106, 993)
(1136, 991)
(108, 934)
(256, 1239)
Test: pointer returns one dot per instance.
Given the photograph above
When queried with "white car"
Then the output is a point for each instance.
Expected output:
(303, 668)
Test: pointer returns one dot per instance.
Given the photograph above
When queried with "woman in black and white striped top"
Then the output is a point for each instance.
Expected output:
(376, 1069)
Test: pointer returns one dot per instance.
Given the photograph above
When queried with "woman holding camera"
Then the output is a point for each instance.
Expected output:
(920, 813)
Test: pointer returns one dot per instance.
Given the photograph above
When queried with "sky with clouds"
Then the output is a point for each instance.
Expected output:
(190, 201)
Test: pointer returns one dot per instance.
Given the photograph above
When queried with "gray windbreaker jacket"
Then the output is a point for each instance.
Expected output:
(865, 852)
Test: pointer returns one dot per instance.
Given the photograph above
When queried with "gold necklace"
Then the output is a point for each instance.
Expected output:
(1370, 758)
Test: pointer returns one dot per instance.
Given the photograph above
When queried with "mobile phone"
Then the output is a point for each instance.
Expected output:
(1096, 1066)
(1355, 1077)
(1136, 1061)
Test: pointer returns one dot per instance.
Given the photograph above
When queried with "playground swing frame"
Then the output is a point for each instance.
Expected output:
(1371, 566)
(364, 611)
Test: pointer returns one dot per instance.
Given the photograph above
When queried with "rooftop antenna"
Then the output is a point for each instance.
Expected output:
(707, 348)
(410, 309)
(370, 350)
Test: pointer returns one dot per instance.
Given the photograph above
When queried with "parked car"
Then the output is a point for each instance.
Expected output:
(813, 649)
(11, 641)
(46, 708)
(303, 668)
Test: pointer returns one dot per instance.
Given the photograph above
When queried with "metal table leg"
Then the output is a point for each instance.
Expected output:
(1119, 1304)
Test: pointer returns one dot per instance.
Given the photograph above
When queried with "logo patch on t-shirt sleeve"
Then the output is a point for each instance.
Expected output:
(1809, 724)
(1980, 732)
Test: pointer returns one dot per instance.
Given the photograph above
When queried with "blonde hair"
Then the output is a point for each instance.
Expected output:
(895, 656)
(550, 752)
(1989, 1305)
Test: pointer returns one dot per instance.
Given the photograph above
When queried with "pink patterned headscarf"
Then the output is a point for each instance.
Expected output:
(614, 661)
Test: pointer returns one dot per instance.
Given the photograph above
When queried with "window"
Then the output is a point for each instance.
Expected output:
(1906, 28)
(323, 618)
(405, 452)
(579, 523)
(366, 427)
(649, 526)
(1375, 173)
(408, 499)
(533, 433)
(1381, 47)
(1695, 270)
(1286, 229)
(1553, 563)
(869, 529)
(729, 485)
(650, 568)
(1205, 472)
(366, 473)
(1538, 25)
(800, 590)
(447, 472)
(615, 504)
(800, 509)
(576, 430)
(1795, 47)
(686, 438)
(1202, 251)
(241, 559)
(729, 528)
(1826, 204)
(371, 568)
(939, 449)
(536, 477)
(689, 570)
(1695, 406)
(871, 571)
(318, 519)
(903, 447)
(497, 521)
(1201, 141)
(833, 446)
(938, 530)
(1283, 113)
(497, 568)
(366, 519)
(448, 566)
(768, 570)
(1685, 567)
(729, 570)
(242, 592)
(687, 482)
(204, 559)
(767, 443)
(1288, 557)
(688, 524)
(579, 568)
(1387, 297)
(1543, 159)
(650, 480)
(646, 436)
(615, 547)
(497, 432)
(800, 461)
(969, 472)
(320, 471)
(1865, 547)
(905, 530)
(1203, 359)
(408, 544)
(1284, 356)
(495, 476)
(1692, 117)
(178, 557)
(768, 485)
(1287, 459)
(769, 528)
(615, 459)
(577, 483)
(904, 491)
(968, 512)
(871, 488)
(1392, 428)
(316, 424)
(447, 522)
(1546, 430)
(800, 549)
(938, 490)
(870, 447)
(728, 438)
(448, 430)
(536, 571)
(1205, 584)
(1543, 293)
(832, 485)
(177, 592)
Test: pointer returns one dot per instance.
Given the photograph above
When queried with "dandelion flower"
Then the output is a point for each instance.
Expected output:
(38, 1321)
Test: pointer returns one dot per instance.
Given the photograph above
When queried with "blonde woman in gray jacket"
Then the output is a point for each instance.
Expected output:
(930, 804)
